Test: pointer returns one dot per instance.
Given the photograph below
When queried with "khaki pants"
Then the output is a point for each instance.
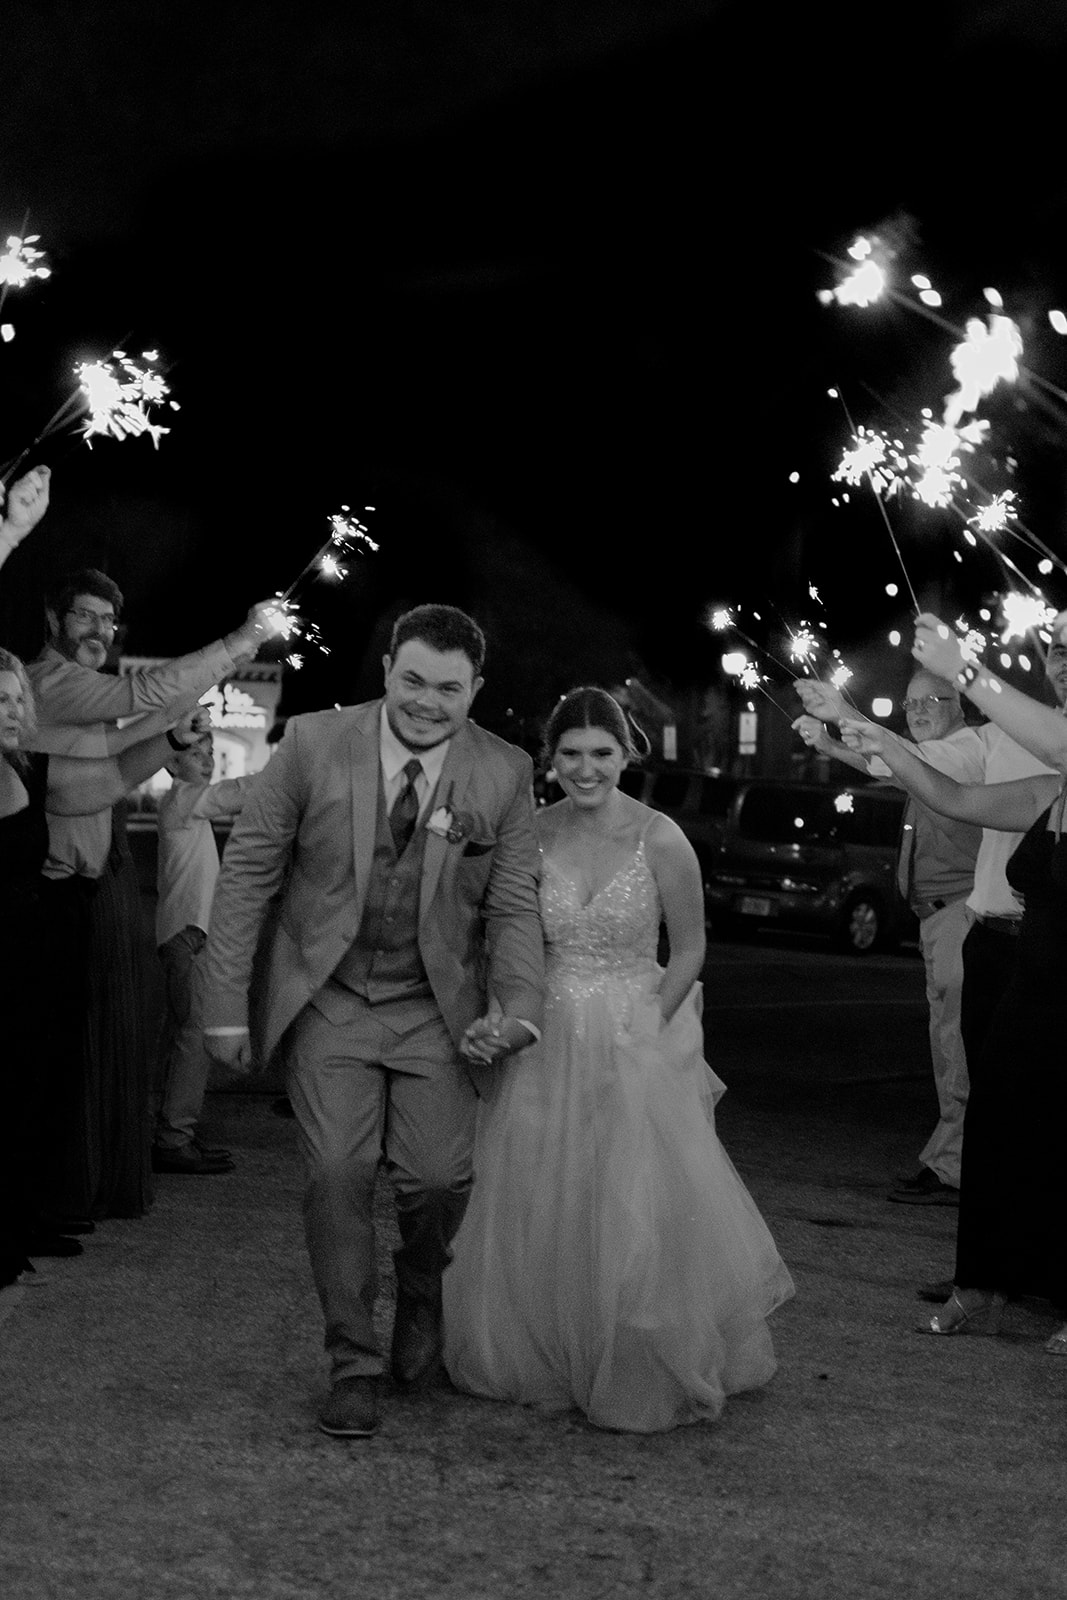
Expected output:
(378, 1081)
(941, 937)
(186, 1063)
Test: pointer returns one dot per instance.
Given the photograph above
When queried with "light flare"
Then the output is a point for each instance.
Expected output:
(988, 355)
(118, 393)
(1021, 613)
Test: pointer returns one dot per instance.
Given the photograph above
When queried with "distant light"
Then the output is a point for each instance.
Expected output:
(881, 708)
(1044, 567)
(995, 298)
(734, 663)
(798, 822)
(794, 477)
(1005, 659)
(891, 588)
(833, 394)
(1058, 321)
(894, 637)
(7, 332)
(986, 616)
(930, 297)
(843, 803)
(1024, 662)
(920, 280)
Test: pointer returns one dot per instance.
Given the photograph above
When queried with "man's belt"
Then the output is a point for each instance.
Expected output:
(999, 924)
(926, 908)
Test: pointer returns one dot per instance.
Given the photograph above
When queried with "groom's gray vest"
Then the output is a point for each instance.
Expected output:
(383, 963)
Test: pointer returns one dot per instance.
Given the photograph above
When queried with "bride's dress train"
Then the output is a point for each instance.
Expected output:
(611, 1258)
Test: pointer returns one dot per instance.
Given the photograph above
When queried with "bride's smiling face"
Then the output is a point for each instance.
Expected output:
(588, 763)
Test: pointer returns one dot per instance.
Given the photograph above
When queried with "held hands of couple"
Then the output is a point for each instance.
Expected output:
(492, 1037)
(231, 1050)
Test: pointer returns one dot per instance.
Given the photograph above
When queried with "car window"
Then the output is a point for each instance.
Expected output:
(787, 816)
(871, 821)
(715, 796)
(669, 789)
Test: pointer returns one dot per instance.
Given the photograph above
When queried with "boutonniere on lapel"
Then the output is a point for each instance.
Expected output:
(453, 826)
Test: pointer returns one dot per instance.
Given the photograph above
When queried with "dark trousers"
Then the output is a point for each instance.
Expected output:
(1009, 1234)
(59, 1133)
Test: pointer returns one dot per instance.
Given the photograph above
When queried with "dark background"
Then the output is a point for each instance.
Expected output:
(538, 282)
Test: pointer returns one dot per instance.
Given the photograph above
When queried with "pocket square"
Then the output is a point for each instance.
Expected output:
(478, 847)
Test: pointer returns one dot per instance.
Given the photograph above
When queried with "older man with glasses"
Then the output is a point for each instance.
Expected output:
(95, 1155)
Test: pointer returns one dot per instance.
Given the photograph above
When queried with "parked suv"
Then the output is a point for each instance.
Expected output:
(815, 857)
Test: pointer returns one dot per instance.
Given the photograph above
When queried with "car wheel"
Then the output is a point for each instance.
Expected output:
(862, 925)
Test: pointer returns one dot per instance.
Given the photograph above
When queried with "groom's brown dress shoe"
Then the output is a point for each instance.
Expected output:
(416, 1351)
(351, 1410)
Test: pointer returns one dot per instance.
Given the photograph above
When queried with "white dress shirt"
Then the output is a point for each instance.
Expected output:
(983, 755)
(188, 865)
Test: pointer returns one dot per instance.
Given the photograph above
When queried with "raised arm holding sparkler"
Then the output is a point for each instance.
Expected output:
(1036, 727)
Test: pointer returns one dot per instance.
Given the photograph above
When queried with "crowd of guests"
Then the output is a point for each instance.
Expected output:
(994, 935)
(80, 1054)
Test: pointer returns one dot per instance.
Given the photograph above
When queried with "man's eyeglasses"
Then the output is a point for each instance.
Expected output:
(926, 702)
(107, 622)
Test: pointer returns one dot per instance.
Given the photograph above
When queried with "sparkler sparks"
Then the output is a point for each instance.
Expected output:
(843, 803)
(986, 357)
(840, 676)
(18, 264)
(875, 458)
(995, 516)
(802, 645)
(330, 567)
(749, 677)
(348, 531)
(720, 620)
(1022, 613)
(119, 393)
(865, 283)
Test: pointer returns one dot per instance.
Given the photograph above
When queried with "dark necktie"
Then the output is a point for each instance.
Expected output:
(405, 812)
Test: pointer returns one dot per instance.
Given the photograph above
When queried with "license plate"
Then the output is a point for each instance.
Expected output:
(749, 906)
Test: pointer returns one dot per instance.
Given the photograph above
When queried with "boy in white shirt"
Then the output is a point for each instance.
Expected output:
(188, 868)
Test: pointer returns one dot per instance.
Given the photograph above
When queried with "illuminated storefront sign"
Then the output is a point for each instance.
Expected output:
(231, 707)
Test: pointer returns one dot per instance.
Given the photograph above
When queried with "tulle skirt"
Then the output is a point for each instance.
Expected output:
(611, 1258)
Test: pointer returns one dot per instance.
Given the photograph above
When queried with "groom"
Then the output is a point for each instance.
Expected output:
(398, 838)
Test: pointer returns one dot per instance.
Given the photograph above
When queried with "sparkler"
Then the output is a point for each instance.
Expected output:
(994, 517)
(843, 803)
(119, 395)
(18, 264)
(1023, 614)
(347, 535)
(18, 267)
(867, 280)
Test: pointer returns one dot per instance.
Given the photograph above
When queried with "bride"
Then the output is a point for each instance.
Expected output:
(611, 1258)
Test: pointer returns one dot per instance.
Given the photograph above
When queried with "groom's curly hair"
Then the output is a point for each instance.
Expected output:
(443, 628)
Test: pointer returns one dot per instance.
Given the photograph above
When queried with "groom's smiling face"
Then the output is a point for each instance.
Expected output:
(428, 693)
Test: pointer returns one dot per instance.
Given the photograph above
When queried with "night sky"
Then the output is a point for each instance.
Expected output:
(538, 283)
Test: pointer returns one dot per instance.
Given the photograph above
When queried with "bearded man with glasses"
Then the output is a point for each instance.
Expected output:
(95, 1155)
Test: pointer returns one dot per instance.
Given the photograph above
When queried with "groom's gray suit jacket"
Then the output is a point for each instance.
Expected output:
(306, 834)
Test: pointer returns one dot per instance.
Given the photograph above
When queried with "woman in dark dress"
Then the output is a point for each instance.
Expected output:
(28, 785)
(1012, 1231)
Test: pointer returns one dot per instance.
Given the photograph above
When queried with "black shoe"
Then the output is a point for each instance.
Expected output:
(925, 1189)
(214, 1152)
(67, 1225)
(416, 1350)
(936, 1293)
(351, 1411)
(51, 1244)
(188, 1161)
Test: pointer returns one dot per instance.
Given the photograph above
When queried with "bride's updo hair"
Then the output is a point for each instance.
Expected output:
(592, 708)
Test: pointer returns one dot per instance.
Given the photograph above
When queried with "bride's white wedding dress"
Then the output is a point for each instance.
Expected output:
(611, 1258)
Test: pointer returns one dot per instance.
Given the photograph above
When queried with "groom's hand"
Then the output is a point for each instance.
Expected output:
(492, 1037)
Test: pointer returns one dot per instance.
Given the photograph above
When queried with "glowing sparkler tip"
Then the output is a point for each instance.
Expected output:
(18, 264)
(118, 394)
(720, 619)
(1058, 321)
(1022, 612)
(840, 676)
(843, 803)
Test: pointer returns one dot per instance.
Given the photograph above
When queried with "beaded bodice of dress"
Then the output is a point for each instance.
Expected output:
(614, 935)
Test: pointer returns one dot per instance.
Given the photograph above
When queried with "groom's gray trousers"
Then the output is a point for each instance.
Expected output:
(367, 1082)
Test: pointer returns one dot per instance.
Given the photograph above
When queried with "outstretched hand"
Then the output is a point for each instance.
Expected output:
(812, 731)
(820, 700)
(866, 738)
(936, 647)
